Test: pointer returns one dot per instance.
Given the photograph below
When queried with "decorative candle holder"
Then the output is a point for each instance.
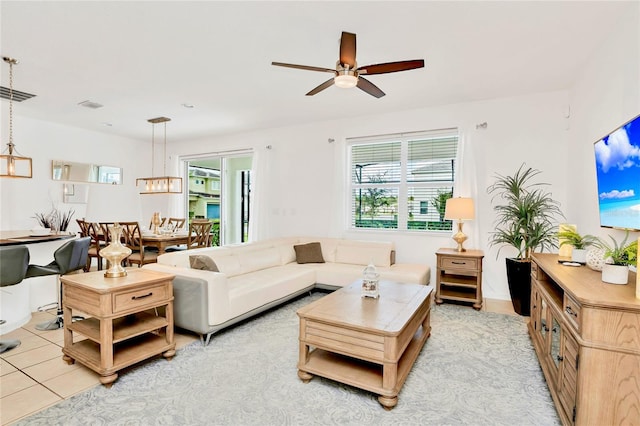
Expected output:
(115, 253)
(370, 278)
(156, 221)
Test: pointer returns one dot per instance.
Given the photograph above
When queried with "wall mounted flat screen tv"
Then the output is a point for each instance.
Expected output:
(618, 177)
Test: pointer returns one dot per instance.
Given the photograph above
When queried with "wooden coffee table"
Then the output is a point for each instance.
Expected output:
(363, 342)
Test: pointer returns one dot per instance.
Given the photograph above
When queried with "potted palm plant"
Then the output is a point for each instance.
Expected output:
(618, 257)
(526, 219)
(580, 243)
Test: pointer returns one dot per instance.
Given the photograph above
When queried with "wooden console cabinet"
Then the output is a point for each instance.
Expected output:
(125, 325)
(459, 276)
(587, 338)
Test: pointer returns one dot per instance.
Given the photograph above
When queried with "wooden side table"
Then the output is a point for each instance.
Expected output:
(124, 327)
(459, 276)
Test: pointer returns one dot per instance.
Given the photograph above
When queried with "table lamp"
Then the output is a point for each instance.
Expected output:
(459, 209)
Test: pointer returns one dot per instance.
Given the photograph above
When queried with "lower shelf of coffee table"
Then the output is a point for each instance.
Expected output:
(359, 373)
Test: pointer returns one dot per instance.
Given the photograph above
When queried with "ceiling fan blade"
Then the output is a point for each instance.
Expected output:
(369, 87)
(348, 49)
(303, 67)
(391, 67)
(321, 87)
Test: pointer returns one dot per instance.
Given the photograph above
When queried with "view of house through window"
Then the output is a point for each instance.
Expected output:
(402, 181)
(220, 190)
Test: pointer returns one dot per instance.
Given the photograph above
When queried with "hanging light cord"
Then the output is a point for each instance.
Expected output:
(164, 155)
(153, 144)
(11, 62)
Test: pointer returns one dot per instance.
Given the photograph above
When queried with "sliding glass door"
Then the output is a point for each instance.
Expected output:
(219, 189)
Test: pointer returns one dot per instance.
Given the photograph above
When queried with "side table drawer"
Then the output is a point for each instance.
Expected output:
(458, 263)
(127, 300)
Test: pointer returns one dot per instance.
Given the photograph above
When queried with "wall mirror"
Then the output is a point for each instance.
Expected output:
(83, 172)
(75, 193)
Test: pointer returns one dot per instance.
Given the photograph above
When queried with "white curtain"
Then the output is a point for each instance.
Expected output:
(466, 184)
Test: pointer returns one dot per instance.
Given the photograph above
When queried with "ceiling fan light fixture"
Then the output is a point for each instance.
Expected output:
(346, 81)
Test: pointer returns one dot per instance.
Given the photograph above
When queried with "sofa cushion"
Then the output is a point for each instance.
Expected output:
(228, 264)
(203, 262)
(309, 253)
(255, 289)
(356, 252)
(328, 246)
(261, 258)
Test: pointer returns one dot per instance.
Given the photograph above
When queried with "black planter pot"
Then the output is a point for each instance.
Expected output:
(519, 279)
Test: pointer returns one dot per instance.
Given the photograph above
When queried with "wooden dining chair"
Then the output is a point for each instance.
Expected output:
(82, 224)
(162, 222)
(105, 235)
(199, 233)
(97, 243)
(176, 223)
(132, 237)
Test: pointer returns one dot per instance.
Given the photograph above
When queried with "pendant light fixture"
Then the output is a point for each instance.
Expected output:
(12, 164)
(164, 184)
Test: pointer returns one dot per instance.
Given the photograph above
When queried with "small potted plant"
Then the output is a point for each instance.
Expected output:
(580, 243)
(618, 257)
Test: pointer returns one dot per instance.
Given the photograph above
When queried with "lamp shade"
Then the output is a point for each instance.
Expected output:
(459, 209)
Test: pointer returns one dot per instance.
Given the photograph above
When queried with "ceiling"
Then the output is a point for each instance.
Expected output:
(146, 59)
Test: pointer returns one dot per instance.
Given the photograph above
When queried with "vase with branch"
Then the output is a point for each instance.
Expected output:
(55, 220)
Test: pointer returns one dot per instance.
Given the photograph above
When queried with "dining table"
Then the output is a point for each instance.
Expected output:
(9, 238)
(162, 241)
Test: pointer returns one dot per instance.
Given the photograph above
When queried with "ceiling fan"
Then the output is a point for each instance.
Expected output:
(347, 74)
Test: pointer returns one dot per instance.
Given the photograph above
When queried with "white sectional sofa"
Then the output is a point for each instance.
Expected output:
(253, 277)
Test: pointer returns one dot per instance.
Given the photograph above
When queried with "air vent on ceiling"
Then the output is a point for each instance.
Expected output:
(90, 104)
(18, 96)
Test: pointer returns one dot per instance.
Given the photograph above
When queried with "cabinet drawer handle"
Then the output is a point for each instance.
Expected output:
(141, 297)
(571, 312)
(458, 263)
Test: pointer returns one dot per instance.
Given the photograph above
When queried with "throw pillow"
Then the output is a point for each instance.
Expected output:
(204, 263)
(308, 253)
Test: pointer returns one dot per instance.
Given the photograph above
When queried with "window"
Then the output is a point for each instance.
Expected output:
(402, 181)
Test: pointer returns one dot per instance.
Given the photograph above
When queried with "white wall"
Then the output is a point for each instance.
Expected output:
(303, 188)
(605, 95)
(304, 185)
(44, 141)
(302, 177)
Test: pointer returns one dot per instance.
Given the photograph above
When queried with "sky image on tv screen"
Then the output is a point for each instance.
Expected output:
(618, 176)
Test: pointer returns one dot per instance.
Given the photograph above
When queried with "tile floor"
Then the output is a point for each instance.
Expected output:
(33, 375)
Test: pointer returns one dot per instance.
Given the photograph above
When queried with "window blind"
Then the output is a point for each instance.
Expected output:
(402, 181)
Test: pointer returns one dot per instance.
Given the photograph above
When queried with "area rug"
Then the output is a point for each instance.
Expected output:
(477, 368)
